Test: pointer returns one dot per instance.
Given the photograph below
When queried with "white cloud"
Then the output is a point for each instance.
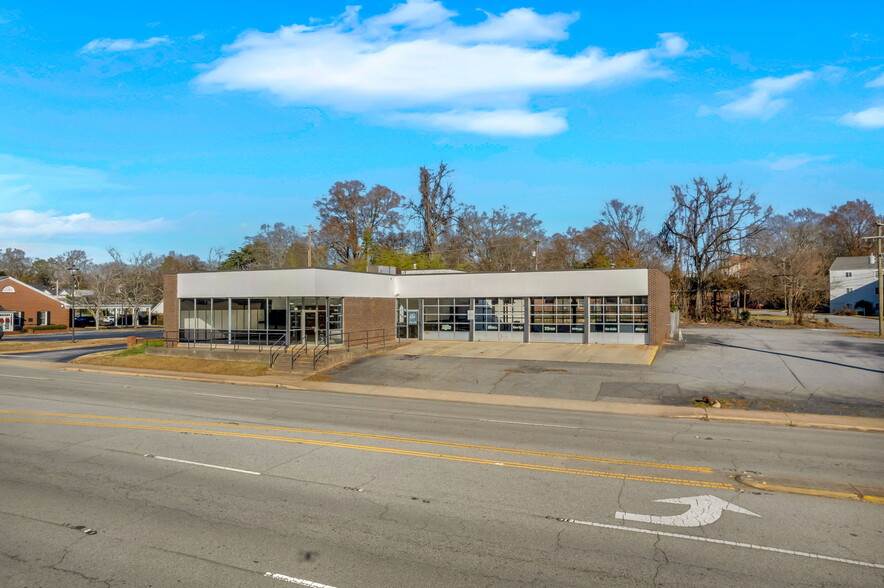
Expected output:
(414, 62)
(500, 123)
(877, 82)
(121, 45)
(25, 181)
(790, 162)
(25, 224)
(762, 102)
(870, 118)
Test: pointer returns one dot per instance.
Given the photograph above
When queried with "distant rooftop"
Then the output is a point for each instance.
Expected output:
(854, 263)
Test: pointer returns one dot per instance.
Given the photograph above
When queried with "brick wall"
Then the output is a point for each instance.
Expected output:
(370, 313)
(29, 302)
(170, 308)
(658, 306)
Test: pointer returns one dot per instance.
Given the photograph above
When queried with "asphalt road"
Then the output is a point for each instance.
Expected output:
(137, 481)
(89, 333)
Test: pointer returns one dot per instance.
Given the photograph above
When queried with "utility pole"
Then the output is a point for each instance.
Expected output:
(309, 245)
(534, 254)
(880, 237)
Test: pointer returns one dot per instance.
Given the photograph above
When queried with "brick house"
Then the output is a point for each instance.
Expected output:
(25, 306)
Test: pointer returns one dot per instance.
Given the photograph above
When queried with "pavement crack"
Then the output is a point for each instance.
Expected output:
(658, 551)
(687, 430)
(620, 495)
(493, 389)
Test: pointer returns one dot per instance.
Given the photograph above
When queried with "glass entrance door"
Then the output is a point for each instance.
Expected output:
(310, 321)
(297, 326)
(311, 325)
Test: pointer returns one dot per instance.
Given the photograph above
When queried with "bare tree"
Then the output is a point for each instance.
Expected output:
(847, 224)
(103, 286)
(352, 219)
(14, 262)
(706, 227)
(136, 280)
(436, 210)
(499, 240)
(790, 263)
(629, 241)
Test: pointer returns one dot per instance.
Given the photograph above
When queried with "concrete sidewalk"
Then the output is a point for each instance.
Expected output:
(610, 353)
(848, 423)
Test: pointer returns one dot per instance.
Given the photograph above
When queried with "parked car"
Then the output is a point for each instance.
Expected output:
(84, 321)
(108, 321)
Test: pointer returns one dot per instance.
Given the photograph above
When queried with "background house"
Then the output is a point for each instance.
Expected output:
(853, 284)
(29, 306)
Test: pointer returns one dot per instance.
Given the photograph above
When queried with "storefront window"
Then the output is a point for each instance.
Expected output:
(557, 315)
(618, 314)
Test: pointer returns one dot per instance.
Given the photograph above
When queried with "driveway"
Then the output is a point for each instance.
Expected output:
(797, 370)
(805, 370)
(867, 324)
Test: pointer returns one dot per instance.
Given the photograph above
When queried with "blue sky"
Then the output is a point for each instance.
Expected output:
(186, 125)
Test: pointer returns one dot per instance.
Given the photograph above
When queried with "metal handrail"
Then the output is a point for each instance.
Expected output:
(366, 339)
(299, 349)
(322, 348)
(283, 347)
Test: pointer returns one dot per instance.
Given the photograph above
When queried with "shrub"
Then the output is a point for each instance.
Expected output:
(47, 327)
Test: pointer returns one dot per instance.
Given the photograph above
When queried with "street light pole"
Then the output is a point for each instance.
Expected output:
(74, 274)
(879, 237)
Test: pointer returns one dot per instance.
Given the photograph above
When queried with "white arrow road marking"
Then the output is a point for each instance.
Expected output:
(704, 510)
(292, 580)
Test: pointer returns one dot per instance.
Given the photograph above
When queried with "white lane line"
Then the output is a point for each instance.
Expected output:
(206, 465)
(731, 543)
(224, 396)
(300, 581)
(22, 377)
(532, 424)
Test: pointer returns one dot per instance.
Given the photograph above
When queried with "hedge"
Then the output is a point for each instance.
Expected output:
(47, 327)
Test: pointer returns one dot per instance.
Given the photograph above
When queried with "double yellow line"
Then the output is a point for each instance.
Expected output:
(405, 452)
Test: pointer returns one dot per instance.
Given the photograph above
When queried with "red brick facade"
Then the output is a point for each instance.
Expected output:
(658, 306)
(170, 309)
(361, 314)
(30, 301)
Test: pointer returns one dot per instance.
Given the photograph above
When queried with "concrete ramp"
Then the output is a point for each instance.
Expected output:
(607, 353)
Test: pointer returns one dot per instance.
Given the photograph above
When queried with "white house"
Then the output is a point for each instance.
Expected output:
(853, 284)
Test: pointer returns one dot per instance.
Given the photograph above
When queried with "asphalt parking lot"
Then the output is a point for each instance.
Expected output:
(796, 370)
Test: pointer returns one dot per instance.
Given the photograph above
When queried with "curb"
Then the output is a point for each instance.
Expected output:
(839, 490)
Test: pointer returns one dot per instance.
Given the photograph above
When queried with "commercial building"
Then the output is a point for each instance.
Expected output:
(853, 284)
(321, 305)
(23, 306)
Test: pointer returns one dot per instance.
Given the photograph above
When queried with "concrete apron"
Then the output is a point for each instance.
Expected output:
(566, 352)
